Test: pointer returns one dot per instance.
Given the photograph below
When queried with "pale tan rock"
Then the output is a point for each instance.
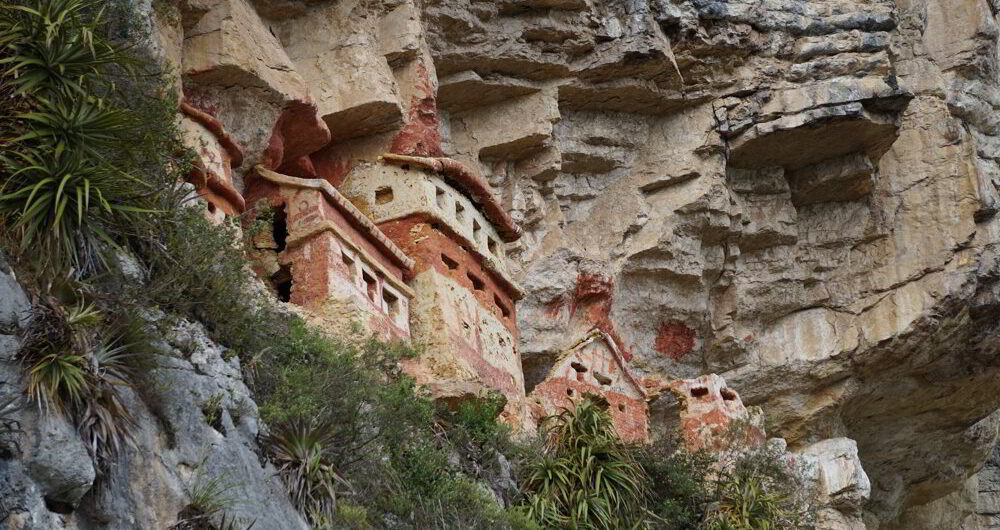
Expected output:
(351, 82)
(231, 45)
(484, 132)
(800, 196)
(400, 34)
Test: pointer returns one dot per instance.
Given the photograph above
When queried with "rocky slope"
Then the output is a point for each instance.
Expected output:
(800, 196)
(50, 481)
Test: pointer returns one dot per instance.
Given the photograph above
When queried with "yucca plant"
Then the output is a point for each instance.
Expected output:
(586, 477)
(302, 451)
(62, 191)
(54, 44)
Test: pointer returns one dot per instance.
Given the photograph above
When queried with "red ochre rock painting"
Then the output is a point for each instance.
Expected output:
(674, 339)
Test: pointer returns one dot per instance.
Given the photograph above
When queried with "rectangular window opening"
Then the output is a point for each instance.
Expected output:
(371, 285)
(477, 283)
(383, 195)
(391, 302)
(452, 264)
(279, 228)
(503, 308)
(282, 282)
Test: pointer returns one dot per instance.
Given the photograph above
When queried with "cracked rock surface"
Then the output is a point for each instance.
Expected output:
(802, 197)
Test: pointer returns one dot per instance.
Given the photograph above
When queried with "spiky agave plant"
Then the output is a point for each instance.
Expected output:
(53, 45)
(586, 477)
(303, 450)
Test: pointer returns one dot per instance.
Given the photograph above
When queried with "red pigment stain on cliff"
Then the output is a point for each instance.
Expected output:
(298, 132)
(554, 307)
(421, 135)
(674, 340)
(332, 163)
(592, 297)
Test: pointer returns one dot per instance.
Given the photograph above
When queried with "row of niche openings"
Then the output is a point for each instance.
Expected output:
(392, 302)
(442, 204)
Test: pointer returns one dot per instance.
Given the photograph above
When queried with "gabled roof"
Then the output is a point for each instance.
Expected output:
(591, 336)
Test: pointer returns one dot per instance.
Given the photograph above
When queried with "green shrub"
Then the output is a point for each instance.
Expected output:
(749, 487)
(586, 478)
(758, 488)
(478, 417)
(680, 487)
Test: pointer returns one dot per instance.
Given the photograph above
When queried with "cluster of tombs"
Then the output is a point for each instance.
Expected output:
(386, 237)
(412, 248)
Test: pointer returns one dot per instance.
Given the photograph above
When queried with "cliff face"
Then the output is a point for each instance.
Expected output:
(799, 196)
(47, 479)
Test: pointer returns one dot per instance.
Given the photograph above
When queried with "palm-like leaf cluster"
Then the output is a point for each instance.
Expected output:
(586, 478)
(76, 365)
(52, 45)
(62, 184)
(303, 452)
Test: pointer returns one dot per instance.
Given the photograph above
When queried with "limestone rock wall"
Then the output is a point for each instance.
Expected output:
(800, 196)
(47, 481)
